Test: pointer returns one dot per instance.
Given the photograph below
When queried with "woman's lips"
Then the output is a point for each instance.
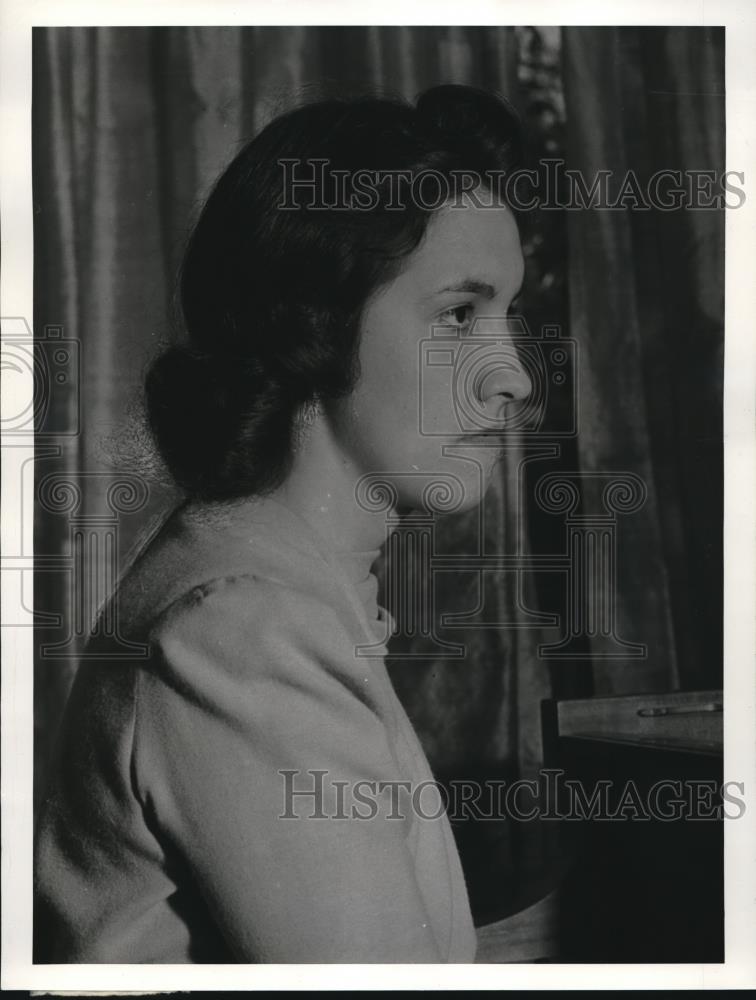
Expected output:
(483, 436)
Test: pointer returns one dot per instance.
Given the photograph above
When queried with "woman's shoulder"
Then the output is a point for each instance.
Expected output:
(250, 632)
(229, 606)
(222, 564)
(240, 637)
(255, 607)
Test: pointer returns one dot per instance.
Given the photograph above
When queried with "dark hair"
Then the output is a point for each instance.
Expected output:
(272, 296)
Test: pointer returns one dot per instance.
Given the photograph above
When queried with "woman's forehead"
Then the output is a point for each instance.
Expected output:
(467, 241)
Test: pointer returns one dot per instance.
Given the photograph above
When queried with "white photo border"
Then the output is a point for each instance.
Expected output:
(17, 17)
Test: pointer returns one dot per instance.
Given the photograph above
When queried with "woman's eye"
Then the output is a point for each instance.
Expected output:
(458, 316)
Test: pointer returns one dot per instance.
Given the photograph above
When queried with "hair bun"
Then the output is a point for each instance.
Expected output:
(196, 403)
(183, 380)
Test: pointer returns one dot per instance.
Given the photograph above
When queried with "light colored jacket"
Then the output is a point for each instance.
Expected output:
(170, 832)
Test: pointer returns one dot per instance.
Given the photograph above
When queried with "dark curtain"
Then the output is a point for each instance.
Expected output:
(131, 126)
(647, 308)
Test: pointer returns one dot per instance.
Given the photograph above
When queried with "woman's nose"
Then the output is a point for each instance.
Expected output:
(507, 379)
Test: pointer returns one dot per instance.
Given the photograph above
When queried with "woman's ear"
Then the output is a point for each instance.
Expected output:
(304, 418)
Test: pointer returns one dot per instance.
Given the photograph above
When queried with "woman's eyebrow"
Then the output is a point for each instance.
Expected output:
(470, 285)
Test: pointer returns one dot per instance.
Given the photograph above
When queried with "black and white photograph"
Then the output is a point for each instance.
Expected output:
(377, 467)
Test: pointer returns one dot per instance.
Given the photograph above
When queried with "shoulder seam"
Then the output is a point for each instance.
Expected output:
(195, 595)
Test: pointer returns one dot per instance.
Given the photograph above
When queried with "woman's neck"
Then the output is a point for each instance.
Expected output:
(322, 488)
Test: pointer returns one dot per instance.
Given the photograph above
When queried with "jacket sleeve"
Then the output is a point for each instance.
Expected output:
(261, 754)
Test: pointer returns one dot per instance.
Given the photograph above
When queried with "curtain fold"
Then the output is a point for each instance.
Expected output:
(646, 304)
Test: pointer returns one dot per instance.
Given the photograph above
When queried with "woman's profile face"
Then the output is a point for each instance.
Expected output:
(437, 362)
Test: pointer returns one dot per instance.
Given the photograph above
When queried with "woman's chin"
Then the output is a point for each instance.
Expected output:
(452, 484)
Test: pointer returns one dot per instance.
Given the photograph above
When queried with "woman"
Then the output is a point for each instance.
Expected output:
(245, 793)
